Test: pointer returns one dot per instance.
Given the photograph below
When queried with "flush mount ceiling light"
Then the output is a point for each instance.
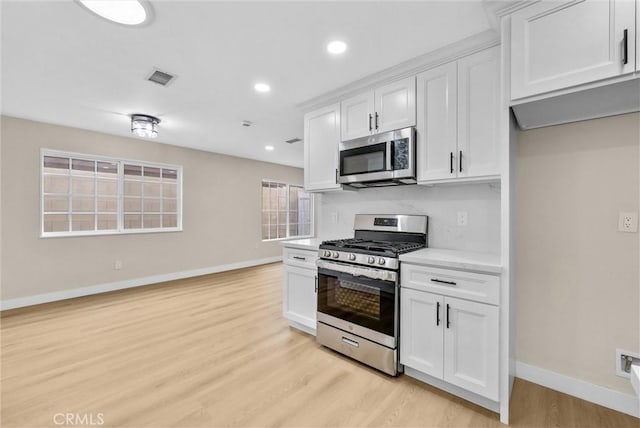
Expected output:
(337, 47)
(125, 12)
(269, 148)
(262, 87)
(144, 126)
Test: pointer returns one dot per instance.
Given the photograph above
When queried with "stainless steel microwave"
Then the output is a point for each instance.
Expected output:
(385, 159)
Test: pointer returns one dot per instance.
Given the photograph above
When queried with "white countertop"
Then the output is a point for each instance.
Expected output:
(303, 244)
(466, 260)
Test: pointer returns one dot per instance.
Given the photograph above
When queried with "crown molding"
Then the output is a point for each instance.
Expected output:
(449, 53)
(496, 9)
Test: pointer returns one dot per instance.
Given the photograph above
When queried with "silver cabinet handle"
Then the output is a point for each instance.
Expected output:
(350, 342)
(300, 258)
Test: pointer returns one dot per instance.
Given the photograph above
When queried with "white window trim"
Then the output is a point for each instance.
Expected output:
(120, 204)
(313, 213)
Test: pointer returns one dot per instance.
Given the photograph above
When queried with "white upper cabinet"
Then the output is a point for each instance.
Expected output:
(357, 116)
(321, 139)
(437, 106)
(457, 124)
(388, 107)
(395, 105)
(560, 44)
(478, 118)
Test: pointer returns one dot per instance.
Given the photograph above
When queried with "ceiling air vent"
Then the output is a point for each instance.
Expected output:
(293, 140)
(161, 78)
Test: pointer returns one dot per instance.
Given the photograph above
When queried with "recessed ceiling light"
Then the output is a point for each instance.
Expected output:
(269, 148)
(337, 47)
(126, 12)
(262, 87)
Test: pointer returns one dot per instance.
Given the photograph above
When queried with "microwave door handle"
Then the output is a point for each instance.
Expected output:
(389, 156)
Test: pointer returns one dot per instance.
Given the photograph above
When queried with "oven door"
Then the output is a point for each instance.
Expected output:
(359, 304)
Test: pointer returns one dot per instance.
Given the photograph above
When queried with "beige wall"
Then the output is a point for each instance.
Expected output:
(578, 283)
(222, 203)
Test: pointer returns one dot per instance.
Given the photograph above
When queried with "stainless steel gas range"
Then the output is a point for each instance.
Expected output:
(358, 288)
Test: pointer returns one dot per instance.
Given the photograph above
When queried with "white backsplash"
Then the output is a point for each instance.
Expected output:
(442, 203)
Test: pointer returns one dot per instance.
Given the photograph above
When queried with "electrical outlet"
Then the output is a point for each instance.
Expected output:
(117, 265)
(628, 222)
(462, 218)
(621, 361)
(334, 217)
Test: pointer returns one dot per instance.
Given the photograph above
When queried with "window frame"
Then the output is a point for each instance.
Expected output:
(313, 212)
(120, 195)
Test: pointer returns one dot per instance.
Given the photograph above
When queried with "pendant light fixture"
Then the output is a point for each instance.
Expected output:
(144, 126)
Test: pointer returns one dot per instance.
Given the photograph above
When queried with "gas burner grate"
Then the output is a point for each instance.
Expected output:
(374, 246)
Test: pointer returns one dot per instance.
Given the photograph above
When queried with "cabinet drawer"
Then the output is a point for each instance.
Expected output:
(301, 258)
(466, 285)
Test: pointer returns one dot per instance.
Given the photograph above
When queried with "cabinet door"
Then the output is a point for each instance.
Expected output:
(437, 102)
(478, 152)
(299, 300)
(321, 140)
(421, 324)
(471, 356)
(557, 45)
(395, 105)
(357, 116)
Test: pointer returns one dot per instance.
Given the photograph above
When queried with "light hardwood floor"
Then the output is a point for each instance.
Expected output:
(215, 351)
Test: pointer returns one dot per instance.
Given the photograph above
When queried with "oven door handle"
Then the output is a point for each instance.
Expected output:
(359, 271)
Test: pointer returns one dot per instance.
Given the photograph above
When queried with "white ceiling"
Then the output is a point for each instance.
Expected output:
(63, 65)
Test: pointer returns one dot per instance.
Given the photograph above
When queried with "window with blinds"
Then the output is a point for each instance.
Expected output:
(287, 211)
(87, 195)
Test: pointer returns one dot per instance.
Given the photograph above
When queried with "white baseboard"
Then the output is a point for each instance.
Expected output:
(616, 400)
(128, 283)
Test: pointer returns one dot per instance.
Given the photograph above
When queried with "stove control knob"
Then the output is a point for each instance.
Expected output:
(381, 261)
(326, 253)
(352, 257)
(335, 255)
(371, 260)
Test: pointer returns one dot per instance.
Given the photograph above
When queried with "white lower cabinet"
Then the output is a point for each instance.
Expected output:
(421, 340)
(451, 339)
(471, 346)
(299, 299)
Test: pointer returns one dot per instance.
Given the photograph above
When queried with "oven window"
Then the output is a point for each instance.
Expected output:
(363, 301)
(356, 298)
(363, 159)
